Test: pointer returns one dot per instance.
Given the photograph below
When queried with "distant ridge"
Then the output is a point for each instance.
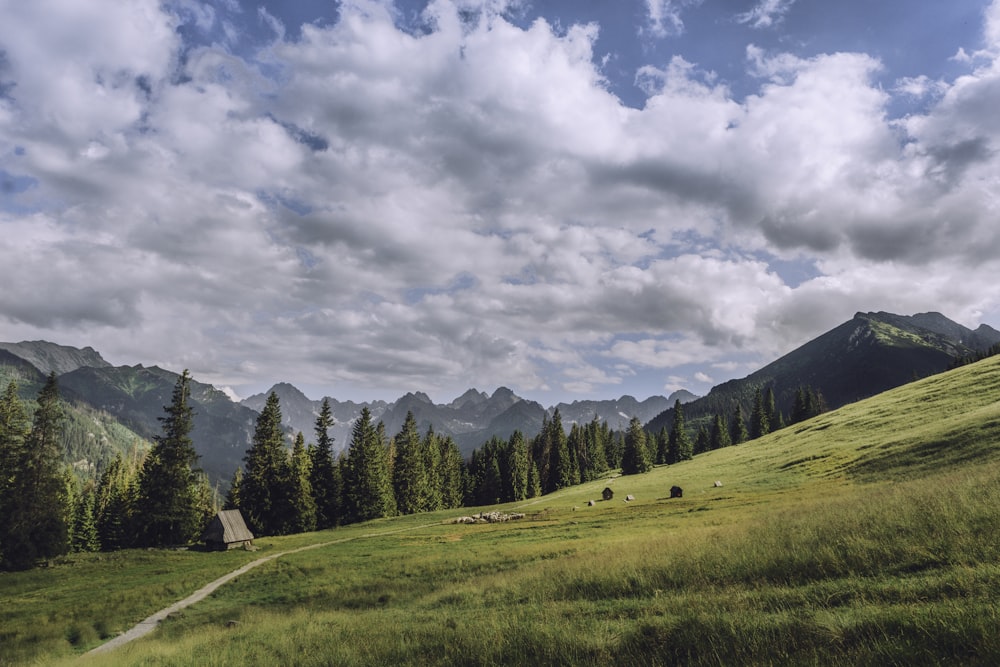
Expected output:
(48, 357)
(862, 357)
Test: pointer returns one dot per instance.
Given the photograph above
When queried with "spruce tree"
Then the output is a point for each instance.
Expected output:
(595, 435)
(517, 464)
(168, 510)
(14, 429)
(737, 428)
(431, 452)
(300, 506)
(771, 414)
(701, 443)
(560, 464)
(719, 436)
(534, 480)
(759, 424)
(323, 470)
(679, 445)
(114, 505)
(266, 470)
(367, 482)
(84, 533)
(635, 457)
(451, 476)
(233, 495)
(409, 473)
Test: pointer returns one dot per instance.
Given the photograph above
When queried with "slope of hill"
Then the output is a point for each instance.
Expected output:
(48, 357)
(863, 536)
(867, 355)
(136, 396)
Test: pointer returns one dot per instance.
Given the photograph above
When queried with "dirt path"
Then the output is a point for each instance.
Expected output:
(145, 626)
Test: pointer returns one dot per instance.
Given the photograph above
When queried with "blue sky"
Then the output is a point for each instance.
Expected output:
(572, 199)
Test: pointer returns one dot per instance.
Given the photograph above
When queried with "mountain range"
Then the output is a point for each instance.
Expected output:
(868, 354)
(864, 356)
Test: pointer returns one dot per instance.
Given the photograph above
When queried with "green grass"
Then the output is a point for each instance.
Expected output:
(865, 536)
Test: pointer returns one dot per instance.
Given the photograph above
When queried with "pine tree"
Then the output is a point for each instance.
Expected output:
(266, 468)
(517, 464)
(84, 533)
(37, 505)
(431, 453)
(14, 431)
(560, 465)
(367, 483)
(702, 440)
(635, 458)
(679, 445)
(737, 428)
(233, 495)
(409, 472)
(322, 472)
(168, 510)
(771, 414)
(114, 504)
(595, 435)
(759, 424)
(534, 480)
(451, 479)
(719, 436)
(300, 506)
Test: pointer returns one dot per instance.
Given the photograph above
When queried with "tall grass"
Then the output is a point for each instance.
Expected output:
(866, 536)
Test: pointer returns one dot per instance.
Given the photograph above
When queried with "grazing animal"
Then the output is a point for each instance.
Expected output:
(676, 492)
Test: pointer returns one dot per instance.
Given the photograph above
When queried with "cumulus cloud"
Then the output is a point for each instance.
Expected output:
(370, 208)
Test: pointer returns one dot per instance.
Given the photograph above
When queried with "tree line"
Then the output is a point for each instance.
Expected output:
(161, 498)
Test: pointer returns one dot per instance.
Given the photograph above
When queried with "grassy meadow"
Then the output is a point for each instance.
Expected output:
(869, 535)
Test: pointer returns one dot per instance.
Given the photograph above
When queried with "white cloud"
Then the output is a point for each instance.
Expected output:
(664, 17)
(395, 210)
(766, 13)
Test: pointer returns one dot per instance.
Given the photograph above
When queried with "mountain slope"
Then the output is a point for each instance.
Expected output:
(48, 357)
(136, 396)
(867, 355)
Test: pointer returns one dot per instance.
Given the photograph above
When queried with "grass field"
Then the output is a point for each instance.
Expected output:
(870, 535)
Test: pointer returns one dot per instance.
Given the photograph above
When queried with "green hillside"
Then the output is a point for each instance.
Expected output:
(864, 536)
(867, 355)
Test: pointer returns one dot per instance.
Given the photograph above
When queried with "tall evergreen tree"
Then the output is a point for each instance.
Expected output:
(595, 434)
(114, 505)
(266, 469)
(738, 433)
(409, 473)
(37, 504)
(323, 470)
(84, 533)
(431, 452)
(367, 482)
(168, 510)
(679, 445)
(771, 414)
(14, 429)
(701, 443)
(719, 435)
(235, 486)
(635, 458)
(534, 480)
(300, 505)
(450, 477)
(560, 466)
(517, 464)
(759, 424)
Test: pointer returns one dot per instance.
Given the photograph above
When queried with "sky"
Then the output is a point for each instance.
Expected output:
(574, 199)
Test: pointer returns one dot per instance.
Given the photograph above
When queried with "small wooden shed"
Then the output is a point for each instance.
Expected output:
(607, 493)
(227, 530)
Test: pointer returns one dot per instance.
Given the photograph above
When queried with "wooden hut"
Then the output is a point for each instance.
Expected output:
(607, 493)
(227, 530)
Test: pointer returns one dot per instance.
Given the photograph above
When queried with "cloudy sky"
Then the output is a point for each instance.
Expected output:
(574, 199)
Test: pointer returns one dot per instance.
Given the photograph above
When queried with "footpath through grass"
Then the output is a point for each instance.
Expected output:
(866, 536)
